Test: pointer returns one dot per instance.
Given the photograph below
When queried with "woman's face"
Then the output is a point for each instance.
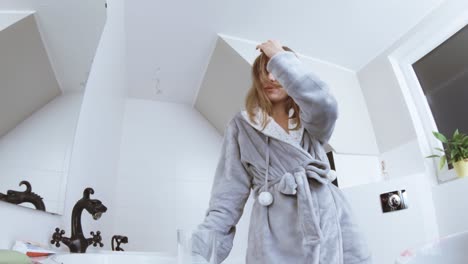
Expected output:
(274, 91)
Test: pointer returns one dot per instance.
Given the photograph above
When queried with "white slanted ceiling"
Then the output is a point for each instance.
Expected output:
(169, 43)
(70, 31)
(9, 18)
(224, 85)
(27, 79)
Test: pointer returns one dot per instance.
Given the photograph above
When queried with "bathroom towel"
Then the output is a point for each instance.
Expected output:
(310, 221)
(13, 257)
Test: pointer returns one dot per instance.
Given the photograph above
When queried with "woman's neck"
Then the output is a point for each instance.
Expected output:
(279, 111)
(281, 116)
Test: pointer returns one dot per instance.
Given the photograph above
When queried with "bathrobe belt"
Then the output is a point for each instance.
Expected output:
(296, 183)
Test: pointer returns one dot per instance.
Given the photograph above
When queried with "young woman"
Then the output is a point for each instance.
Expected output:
(275, 147)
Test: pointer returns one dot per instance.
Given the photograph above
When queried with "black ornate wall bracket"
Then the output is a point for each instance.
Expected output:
(27, 196)
(119, 240)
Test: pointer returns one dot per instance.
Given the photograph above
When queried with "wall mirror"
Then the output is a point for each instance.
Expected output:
(47, 48)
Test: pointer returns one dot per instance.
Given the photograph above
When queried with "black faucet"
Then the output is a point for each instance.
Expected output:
(16, 197)
(77, 242)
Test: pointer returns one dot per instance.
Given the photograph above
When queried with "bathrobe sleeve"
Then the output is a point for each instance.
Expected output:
(318, 107)
(229, 193)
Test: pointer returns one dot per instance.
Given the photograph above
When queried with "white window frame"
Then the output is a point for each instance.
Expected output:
(432, 34)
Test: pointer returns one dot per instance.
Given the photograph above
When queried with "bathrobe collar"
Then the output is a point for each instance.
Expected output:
(274, 130)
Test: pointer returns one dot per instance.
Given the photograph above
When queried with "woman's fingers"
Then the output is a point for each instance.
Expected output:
(270, 47)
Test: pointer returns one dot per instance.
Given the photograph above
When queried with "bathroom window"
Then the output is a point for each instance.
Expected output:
(443, 76)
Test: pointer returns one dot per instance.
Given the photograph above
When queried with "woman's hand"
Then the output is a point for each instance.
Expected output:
(270, 48)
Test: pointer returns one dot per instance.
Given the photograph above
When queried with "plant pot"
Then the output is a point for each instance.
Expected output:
(461, 168)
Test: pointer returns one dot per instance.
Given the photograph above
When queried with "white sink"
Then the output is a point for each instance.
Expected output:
(113, 257)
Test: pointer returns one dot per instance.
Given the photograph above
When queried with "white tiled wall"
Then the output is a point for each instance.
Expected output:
(165, 172)
(38, 150)
(452, 206)
(354, 170)
(404, 160)
(95, 151)
(389, 234)
(168, 157)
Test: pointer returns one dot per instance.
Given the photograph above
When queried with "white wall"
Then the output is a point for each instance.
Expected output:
(217, 99)
(96, 148)
(395, 129)
(64, 32)
(23, 53)
(403, 160)
(38, 150)
(355, 170)
(21, 223)
(387, 109)
(389, 112)
(8, 18)
(388, 234)
(353, 132)
(451, 206)
(168, 157)
(390, 118)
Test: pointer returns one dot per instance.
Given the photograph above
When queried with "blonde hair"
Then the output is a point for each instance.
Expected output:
(256, 96)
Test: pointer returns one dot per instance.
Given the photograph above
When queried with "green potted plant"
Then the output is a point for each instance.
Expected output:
(455, 152)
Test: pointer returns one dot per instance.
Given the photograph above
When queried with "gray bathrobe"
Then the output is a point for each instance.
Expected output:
(310, 221)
